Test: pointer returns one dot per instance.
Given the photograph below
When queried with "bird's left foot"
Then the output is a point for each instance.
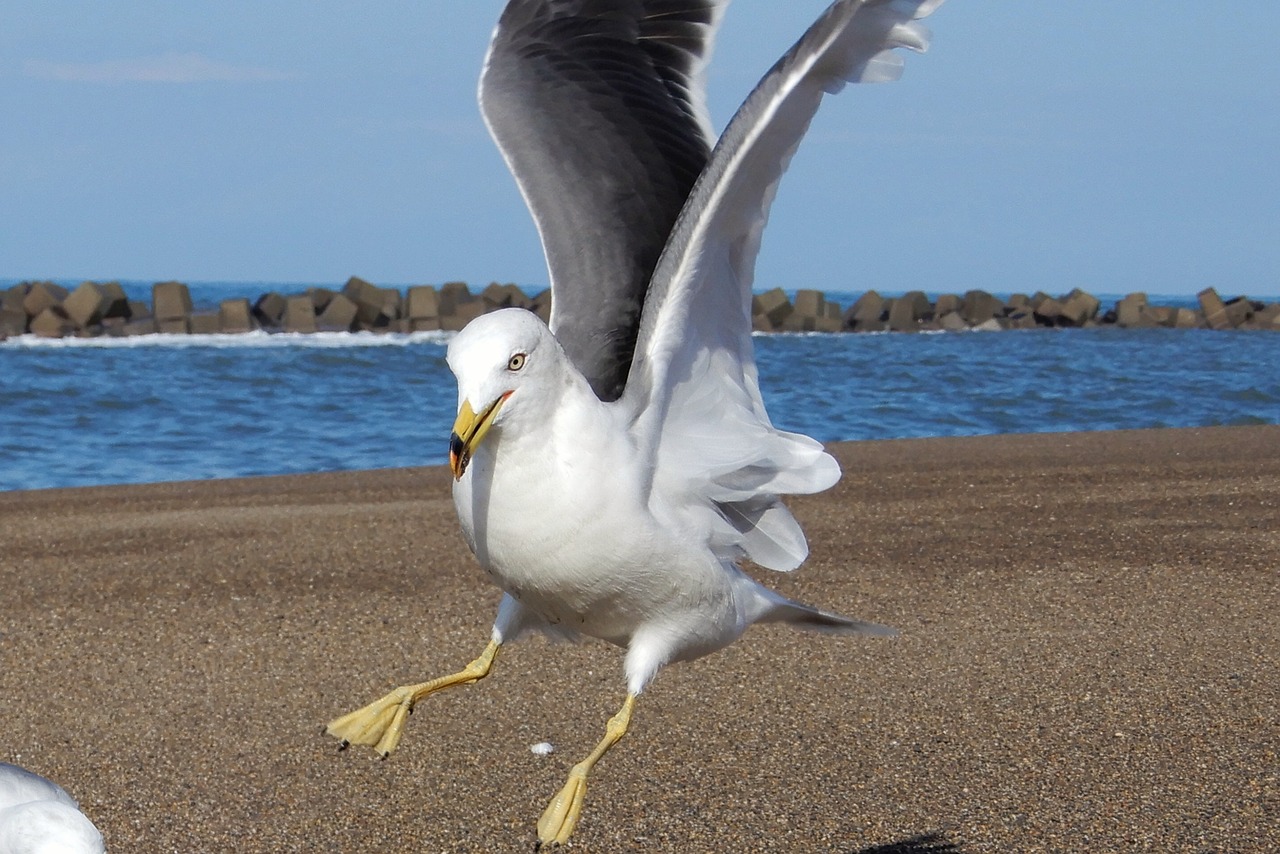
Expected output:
(561, 815)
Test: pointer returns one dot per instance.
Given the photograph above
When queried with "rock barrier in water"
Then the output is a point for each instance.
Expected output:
(95, 309)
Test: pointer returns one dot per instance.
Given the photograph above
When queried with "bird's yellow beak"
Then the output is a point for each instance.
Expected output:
(468, 432)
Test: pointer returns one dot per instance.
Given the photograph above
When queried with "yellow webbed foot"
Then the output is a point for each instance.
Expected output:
(381, 723)
(561, 815)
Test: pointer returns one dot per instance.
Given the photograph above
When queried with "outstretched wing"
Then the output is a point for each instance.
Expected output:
(598, 108)
(693, 392)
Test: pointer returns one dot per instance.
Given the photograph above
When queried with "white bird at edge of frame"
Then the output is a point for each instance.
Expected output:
(37, 816)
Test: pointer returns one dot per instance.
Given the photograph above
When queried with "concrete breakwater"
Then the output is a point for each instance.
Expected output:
(94, 309)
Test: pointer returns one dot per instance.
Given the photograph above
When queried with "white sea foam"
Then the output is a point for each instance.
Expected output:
(250, 340)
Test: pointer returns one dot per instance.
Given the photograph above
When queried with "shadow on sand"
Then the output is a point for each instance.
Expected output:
(929, 843)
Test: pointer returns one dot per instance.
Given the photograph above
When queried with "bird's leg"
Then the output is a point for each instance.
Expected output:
(380, 723)
(561, 815)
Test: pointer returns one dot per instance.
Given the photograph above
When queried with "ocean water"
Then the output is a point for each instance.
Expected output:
(85, 412)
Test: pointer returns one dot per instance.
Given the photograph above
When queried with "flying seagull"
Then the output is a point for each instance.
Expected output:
(613, 469)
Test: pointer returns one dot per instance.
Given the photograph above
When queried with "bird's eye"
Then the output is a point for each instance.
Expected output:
(516, 362)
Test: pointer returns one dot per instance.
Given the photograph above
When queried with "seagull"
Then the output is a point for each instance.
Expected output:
(37, 816)
(613, 469)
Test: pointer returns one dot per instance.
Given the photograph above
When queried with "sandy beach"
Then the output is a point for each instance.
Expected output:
(1089, 660)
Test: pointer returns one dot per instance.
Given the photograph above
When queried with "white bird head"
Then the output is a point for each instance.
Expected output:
(508, 366)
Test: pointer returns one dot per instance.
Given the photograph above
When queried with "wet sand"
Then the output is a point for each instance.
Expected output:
(1089, 661)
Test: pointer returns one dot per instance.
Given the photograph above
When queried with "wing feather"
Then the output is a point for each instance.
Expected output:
(693, 392)
(598, 108)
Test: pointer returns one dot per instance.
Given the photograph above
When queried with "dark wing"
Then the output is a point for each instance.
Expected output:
(598, 107)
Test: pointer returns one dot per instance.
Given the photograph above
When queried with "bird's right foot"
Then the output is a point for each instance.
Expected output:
(381, 723)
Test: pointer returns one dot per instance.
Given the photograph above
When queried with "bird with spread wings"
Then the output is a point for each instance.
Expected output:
(612, 470)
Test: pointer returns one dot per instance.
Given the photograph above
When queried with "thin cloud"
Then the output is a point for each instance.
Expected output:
(166, 68)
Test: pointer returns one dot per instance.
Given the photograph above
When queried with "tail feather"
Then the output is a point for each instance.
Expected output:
(816, 620)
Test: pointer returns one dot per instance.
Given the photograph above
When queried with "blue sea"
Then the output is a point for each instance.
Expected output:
(155, 408)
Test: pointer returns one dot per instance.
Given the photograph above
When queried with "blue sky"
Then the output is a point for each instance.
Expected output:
(1110, 146)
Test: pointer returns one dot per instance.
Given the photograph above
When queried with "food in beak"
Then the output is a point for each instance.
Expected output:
(468, 432)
